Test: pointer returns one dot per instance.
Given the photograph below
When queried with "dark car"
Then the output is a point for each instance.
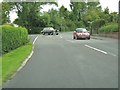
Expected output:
(49, 31)
(81, 33)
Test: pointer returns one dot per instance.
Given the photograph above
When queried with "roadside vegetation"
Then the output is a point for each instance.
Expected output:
(11, 61)
(0, 71)
(110, 27)
(15, 49)
(82, 14)
(13, 37)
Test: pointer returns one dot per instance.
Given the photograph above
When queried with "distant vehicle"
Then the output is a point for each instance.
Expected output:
(56, 31)
(81, 33)
(50, 31)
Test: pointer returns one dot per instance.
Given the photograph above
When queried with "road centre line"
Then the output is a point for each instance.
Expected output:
(35, 40)
(60, 36)
(96, 49)
(112, 54)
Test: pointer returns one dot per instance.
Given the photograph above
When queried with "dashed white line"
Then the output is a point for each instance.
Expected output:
(96, 49)
(35, 40)
(60, 36)
(112, 54)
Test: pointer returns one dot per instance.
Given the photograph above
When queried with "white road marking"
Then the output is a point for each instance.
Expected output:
(96, 49)
(112, 54)
(26, 60)
(35, 40)
(60, 36)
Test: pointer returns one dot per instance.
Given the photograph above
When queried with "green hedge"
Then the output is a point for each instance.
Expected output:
(111, 27)
(13, 37)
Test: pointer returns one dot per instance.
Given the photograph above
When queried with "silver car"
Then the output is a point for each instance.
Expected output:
(49, 31)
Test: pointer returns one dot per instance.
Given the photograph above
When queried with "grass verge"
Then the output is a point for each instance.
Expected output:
(13, 60)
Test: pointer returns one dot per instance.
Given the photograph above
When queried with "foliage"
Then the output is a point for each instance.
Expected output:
(82, 14)
(97, 24)
(28, 14)
(6, 8)
(110, 27)
(12, 60)
(13, 37)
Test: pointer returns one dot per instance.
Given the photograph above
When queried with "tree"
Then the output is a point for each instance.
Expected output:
(6, 8)
(98, 23)
(64, 12)
(29, 15)
(106, 11)
(78, 9)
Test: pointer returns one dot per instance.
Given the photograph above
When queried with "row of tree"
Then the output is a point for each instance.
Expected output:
(83, 14)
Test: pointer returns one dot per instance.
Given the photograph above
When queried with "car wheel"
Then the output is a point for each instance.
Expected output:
(76, 38)
(73, 37)
(43, 33)
(52, 33)
(88, 38)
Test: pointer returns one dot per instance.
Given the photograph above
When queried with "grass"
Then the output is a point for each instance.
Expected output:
(0, 71)
(12, 60)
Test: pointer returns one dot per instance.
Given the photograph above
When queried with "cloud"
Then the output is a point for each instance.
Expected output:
(111, 4)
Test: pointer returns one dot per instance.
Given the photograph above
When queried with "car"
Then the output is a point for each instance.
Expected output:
(50, 31)
(81, 33)
(56, 31)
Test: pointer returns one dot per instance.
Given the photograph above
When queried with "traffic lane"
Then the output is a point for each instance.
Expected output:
(60, 64)
(111, 50)
(106, 44)
(32, 37)
(97, 68)
(47, 68)
(111, 57)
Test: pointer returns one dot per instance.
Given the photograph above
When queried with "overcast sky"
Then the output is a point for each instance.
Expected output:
(111, 4)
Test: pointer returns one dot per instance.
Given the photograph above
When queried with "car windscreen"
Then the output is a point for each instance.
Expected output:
(48, 29)
(81, 30)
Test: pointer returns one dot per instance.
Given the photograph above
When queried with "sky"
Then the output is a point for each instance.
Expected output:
(111, 4)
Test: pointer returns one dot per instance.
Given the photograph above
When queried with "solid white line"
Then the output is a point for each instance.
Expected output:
(35, 40)
(24, 62)
(96, 49)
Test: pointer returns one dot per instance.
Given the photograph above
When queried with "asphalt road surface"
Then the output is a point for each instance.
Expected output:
(59, 61)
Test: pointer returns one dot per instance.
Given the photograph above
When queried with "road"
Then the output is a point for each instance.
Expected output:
(61, 62)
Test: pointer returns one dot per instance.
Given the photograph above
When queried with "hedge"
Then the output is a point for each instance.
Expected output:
(111, 27)
(13, 37)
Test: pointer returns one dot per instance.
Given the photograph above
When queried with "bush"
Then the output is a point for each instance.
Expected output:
(13, 37)
(110, 27)
(35, 30)
(70, 26)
